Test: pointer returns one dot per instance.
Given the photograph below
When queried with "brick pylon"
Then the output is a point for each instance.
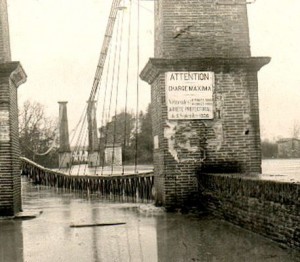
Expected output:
(204, 95)
(12, 76)
(65, 155)
(94, 155)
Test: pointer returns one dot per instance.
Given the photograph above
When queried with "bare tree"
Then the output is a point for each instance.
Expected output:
(37, 132)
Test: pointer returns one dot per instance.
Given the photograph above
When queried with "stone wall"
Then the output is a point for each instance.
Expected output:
(269, 208)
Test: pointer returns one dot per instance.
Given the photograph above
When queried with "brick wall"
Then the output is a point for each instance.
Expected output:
(64, 144)
(266, 207)
(213, 36)
(233, 137)
(6, 179)
(230, 142)
(15, 147)
(11, 76)
(189, 28)
(4, 33)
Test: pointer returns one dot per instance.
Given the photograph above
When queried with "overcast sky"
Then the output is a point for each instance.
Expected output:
(58, 43)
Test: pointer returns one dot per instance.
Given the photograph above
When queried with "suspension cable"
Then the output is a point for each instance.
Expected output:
(77, 144)
(56, 132)
(103, 54)
(117, 94)
(82, 142)
(127, 83)
(137, 87)
(48, 150)
(81, 121)
(106, 43)
(103, 112)
(112, 84)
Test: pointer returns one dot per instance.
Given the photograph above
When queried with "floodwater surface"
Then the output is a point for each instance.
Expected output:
(149, 234)
(285, 170)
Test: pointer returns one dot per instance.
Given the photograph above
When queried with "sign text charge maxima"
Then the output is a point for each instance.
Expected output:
(189, 95)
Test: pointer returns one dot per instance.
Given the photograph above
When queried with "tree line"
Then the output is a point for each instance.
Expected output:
(133, 134)
(37, 134)
(39, 140)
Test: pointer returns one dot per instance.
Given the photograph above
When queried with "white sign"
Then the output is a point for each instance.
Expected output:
(189, 95)
(4, 126)
(156, 144)
(113, 156)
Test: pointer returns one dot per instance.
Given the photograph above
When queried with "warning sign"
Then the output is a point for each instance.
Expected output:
(4, 126)
(189, 95)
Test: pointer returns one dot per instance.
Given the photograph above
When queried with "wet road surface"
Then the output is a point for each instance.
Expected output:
(148, 235)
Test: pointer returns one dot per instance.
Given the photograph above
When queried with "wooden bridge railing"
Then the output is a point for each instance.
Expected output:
(135, 185)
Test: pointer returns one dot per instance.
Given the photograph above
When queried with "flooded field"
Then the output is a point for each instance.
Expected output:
(148, 234)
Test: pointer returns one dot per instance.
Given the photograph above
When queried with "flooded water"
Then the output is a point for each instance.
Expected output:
(287, 170)
(149, 234)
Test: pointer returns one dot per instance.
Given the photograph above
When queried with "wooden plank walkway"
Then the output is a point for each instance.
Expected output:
(132, 185)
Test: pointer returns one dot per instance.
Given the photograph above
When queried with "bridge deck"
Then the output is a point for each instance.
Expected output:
(140, 185)
(107, 170)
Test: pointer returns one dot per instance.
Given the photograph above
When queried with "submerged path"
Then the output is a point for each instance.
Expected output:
(145, 233)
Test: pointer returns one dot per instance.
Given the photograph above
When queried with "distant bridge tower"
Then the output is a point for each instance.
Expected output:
(204, 95)
(93, 150)
(65, 155)
(12, 76)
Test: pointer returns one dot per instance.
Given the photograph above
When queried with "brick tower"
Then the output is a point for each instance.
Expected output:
(12, 75)
(65, 155)
(94, 156)
(204, 95)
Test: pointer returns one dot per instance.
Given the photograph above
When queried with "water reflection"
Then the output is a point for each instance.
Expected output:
(182, 238)
(11, 241)
(148, 235)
